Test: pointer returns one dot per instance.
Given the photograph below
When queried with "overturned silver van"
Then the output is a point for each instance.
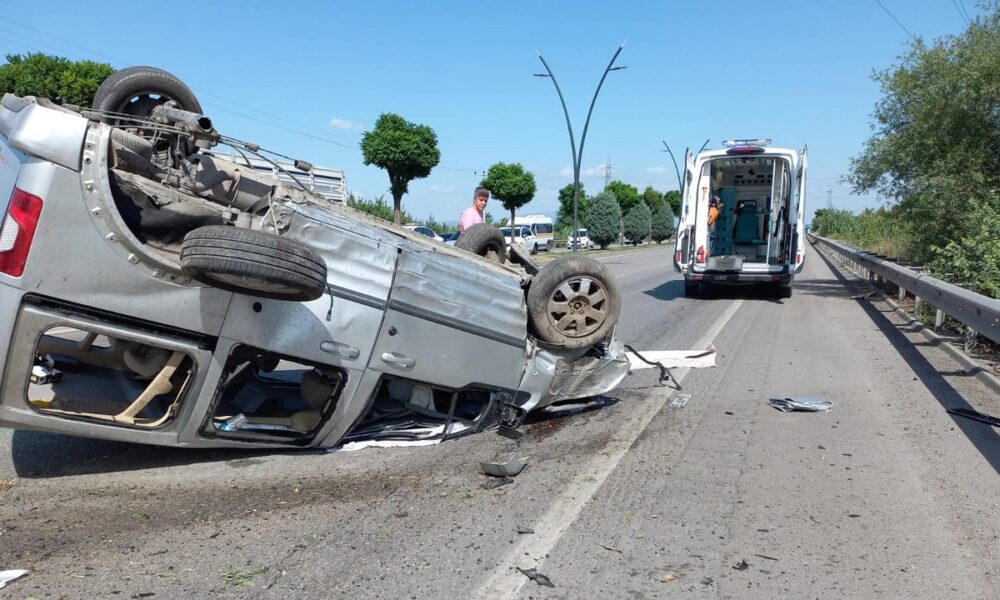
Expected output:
(153, 292)
(742, 216)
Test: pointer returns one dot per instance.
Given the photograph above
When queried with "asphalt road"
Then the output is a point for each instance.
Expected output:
(885, 496)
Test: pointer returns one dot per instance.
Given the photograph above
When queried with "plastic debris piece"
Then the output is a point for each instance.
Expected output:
(671, 359)
(537, 577)
(510, 468)
(679, 402)
(765, 557)
(10, 575)
(525, 531)
(803, 403)
(669, 576)
(742, 565)
(612, 549)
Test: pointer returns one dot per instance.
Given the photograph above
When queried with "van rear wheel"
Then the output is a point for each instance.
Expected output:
(691, 289)
(784, 291)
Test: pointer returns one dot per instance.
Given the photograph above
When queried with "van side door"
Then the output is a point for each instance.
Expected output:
(798, 245)
(685, 232)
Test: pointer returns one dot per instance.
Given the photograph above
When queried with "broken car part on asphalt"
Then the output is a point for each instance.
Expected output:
(801, 403)
(508, 468)
(204, 304)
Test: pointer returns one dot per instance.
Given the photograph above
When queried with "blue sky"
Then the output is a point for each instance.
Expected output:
(307, 78)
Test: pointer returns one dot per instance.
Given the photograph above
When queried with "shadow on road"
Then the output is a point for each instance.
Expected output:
(44, 455)
(984, 437)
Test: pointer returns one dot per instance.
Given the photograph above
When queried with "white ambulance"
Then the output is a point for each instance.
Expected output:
(742, 212)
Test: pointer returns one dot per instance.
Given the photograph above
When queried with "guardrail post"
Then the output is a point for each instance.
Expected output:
(918, 303)
(902, 293)
(938, 319)
(971, 340)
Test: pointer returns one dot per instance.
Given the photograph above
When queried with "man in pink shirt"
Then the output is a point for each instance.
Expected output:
(474, 214)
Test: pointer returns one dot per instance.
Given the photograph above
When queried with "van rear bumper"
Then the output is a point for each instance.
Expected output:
(724, 278)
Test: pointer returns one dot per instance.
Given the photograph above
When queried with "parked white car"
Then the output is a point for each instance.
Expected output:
(522, 237)
(581, 240)
(423, 230)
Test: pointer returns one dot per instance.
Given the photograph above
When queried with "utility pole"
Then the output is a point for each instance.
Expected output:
(829, 196)
(607, 173)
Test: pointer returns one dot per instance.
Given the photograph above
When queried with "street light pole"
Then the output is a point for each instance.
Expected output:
(578, 156)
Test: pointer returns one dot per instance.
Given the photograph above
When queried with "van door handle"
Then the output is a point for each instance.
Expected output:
(399, 360)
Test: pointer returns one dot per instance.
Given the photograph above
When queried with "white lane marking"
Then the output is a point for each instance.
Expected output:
(506, 581)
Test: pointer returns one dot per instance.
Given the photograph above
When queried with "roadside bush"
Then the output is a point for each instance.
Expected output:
(663, 223)
(603, 219)
(973, 260)
(637, 224)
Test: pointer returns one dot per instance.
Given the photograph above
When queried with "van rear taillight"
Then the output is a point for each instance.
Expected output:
(701, 254)
(18, 231)
(677, 256)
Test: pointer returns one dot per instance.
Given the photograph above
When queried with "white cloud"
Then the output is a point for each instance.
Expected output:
(656, 169)
(338, 123)
(597, 171)
(442, 188)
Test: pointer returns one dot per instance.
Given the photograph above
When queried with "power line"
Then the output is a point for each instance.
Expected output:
(962, 4)
(960, 13)
(896, 20)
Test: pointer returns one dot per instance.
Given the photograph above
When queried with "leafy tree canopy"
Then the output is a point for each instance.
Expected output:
(564, 219)
(511, 185)
(937, 130)
(627, 195)
(406, 150)
(604, 219)
(637, 223)
(54, 77)
(652, 198)
(673, 198)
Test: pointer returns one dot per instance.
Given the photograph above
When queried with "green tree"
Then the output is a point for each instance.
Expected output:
(637, 223)
(564, 219)
(604, 219)
(673, 198)
(652, 198)
(376, 208)
(973, 260)
(511, 185)
(663, 223)
(407, 151)
(54, 77)
(937, 130)
(627, 195)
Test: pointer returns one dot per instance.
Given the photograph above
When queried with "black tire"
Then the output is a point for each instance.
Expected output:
(254, 263)
(534, 249)
(484, 240)
(691, 289)
(785, 291)
(574, 302)
(136, 91)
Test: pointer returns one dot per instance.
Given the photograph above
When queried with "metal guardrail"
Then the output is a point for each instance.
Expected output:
(979, 313)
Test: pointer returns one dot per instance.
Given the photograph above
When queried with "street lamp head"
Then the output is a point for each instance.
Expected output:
(541, 75)
(617, 68)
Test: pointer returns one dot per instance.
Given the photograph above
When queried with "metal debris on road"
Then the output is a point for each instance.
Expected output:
(802, 403)
(679, 402)
(10, 575)
(672, 359)
(978, 416)
(742, 565)
(537, 577)
(525, 531)
(765, 557)
(612, 549)
(509, 468)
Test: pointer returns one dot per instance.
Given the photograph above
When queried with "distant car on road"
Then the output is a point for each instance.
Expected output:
(522, 236)
(581, 240)
(422, 230)
(450, 237)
